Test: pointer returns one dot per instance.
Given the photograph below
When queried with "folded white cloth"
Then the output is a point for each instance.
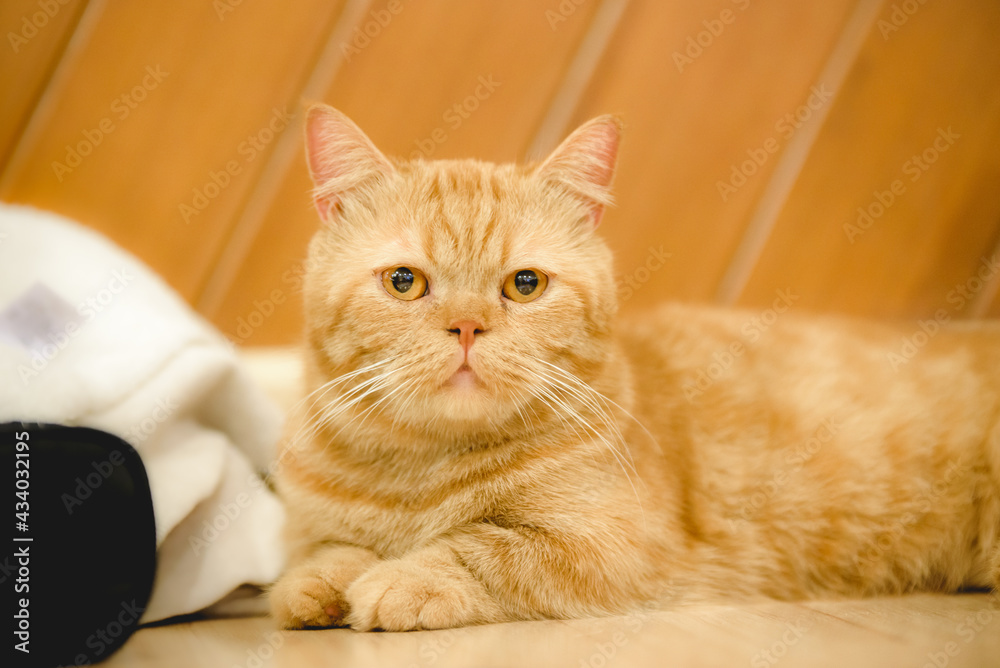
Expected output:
(90, 336)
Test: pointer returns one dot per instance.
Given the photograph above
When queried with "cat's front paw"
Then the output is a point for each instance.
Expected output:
(302, 600)
(311, 594)
(404, 595)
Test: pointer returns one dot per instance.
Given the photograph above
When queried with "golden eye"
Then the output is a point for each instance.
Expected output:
(404, 283)
(525, 285)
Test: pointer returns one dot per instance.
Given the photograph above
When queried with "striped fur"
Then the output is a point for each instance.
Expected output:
(596, 464)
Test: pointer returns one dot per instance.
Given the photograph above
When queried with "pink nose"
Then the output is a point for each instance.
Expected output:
(466, 330)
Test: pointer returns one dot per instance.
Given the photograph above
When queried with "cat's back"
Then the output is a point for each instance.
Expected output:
(701, 346)
(772, 422)
(759, 382)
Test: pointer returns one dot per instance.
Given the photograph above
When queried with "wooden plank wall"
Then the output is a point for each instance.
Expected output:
(847, 151)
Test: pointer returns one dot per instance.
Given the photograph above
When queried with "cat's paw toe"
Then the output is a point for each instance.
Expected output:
(306, 601)
(399, 596)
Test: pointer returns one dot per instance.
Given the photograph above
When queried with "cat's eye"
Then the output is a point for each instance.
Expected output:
(525, 285)
(404, 283)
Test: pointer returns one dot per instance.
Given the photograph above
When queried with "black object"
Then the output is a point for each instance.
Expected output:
(80, 548)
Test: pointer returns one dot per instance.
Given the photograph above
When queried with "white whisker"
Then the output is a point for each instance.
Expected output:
(344, 400)
(606, 400)
(606, 431)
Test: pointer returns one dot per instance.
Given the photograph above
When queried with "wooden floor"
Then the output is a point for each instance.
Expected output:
(919, 630)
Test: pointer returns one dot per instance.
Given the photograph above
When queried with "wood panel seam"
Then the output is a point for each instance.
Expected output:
(47, 78)
(79, 35)
(981, 305)
(253, 213)
(792, 160)
(577, 77)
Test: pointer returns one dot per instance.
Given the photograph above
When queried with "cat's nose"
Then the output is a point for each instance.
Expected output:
(466, 330)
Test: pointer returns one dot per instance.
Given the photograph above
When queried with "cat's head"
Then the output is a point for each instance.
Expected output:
(464, 288)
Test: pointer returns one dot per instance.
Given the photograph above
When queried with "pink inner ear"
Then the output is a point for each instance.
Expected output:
(585, 163)
(328, 142)
(600, 169)
(322, 167)
(602, 146)
(596, 213)
(326, 207)
(340, 157)
(324, 134)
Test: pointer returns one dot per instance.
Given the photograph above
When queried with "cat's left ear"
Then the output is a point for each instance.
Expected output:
(585, 163)
(341, 158)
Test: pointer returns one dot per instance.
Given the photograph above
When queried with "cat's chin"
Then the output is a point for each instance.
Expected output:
(464, 397)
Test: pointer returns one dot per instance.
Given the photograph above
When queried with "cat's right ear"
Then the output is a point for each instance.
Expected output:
(341, 158)
(584, 163)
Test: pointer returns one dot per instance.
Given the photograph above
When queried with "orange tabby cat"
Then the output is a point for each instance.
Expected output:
(483, 441)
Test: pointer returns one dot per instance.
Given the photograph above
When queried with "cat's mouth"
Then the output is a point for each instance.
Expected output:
(464, 378)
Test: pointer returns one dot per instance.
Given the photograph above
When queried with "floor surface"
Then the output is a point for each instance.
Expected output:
(919, 630)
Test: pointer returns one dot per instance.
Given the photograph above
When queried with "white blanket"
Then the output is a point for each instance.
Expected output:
(90, 336)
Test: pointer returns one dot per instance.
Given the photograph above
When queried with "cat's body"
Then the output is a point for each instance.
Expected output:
(474, 455)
